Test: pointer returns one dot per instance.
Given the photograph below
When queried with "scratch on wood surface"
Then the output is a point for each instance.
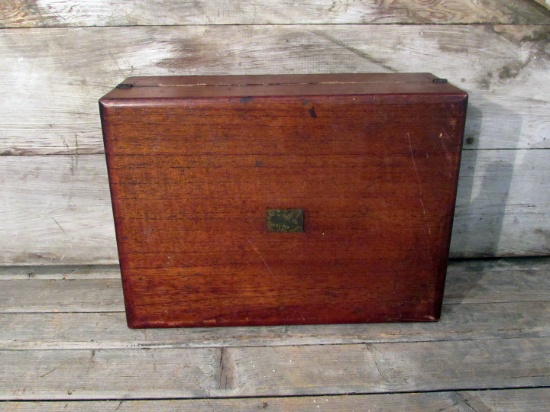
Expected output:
(261, 257)
(47, 373)
(419, 182)
(57, 223)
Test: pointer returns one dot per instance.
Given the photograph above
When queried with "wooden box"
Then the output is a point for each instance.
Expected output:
(287, 199)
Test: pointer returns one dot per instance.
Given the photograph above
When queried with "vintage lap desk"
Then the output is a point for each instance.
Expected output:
(285, 199)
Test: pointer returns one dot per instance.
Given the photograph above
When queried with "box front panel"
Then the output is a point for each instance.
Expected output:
(193, 179)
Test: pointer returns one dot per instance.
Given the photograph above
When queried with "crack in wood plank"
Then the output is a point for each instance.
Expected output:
(371, 349)
(227, 370)
(473, 402)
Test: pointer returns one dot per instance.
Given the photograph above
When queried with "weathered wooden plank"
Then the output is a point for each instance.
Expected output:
(26, 331)
(63, 13)
(110, 374)
(50, 90)
(87, 320)
(57, 208)
(379, 368)
(500, 208)
(414, 402)
(274, 371)
(503, 280)
(511, 400)
(60, 272)
(71, 295)
(545, 3)
(82, 290)
(532, 400)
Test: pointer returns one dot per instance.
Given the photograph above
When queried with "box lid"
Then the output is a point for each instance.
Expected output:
(154, 87)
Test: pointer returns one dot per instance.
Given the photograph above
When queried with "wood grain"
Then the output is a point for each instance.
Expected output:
(492, 299)
(385, 368)
(545, 3)
(63, 13)
(416, 402)
(518, 280)
(373, 165)
(70, 196)
(82, 295)
(509, 400)
(59, 356)
(59, 272)
(115, 374)
(108, 330)
(274, 371)
(502, 208)
(52, 78)
(82, 289)
(512, 400)
(50, 82)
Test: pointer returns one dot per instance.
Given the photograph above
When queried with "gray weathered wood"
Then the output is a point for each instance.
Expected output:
(66, 374)
(514, 400)
(83, 290)
(51, 78)
(274, 371)
(60, 272)
(502, 204)
(413, 402)
(532, 400)
(545, 3)
(56, 209)
(499, 281)
(71, 295)
(80, 313)
(503, 280)
(62, 13)
(32, 331)
(379, 368)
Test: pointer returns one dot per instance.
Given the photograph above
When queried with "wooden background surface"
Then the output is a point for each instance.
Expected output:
(58, 57)
(63, 340)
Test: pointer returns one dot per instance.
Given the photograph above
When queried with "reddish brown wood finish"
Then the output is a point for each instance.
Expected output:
(195, 162)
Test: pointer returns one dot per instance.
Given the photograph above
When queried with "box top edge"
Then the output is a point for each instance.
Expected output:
(151, 87)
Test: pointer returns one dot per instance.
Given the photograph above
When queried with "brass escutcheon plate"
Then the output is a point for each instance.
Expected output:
(285, 220)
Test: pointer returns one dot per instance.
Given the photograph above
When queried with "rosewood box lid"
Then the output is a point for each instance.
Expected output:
(283, 199)
(282, 85)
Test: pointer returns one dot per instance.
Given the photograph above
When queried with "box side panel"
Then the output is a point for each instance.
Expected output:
(192, 182)
(108, 114)
(458, 122)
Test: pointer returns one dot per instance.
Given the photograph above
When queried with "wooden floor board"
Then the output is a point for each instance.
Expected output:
(32, 331)
(74, 289)
(63, 339)
(422, 402)
(526, 400)
(274, 371)
(514, 400)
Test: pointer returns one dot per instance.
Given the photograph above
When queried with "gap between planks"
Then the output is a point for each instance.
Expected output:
(515, 400)
(275, 371)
